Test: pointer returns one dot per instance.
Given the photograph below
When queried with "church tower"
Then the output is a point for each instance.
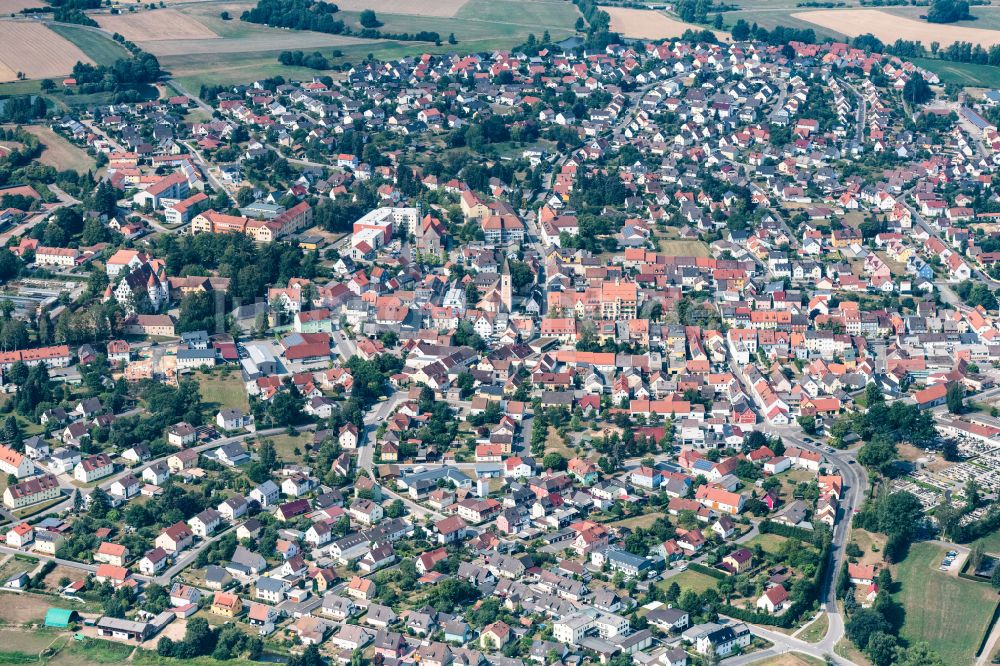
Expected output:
(506, 296)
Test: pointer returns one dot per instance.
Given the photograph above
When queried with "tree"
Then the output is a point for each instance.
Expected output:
(395, 509)
(466, 384)
(451, 38)
(369, 20)
(955, 398)
(864, 624)
(882, 648)
(920, 655)
(916, 91)
(309, 657)
(99, 503)
(554, 461)
(877, 454)
(948, 11)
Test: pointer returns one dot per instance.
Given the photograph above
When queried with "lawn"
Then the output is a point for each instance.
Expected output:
(92, 651)
(219, 391)
(555, 444)
(643, 521)
(16, 565)
(792, 659)
(871, 545)
(285, 445)
(847, 650)
(771, 543)
(36, 508)
(815, 632)
(690, 580)
(96, 45)
(950, 613)
(684, 248)
(991, 543)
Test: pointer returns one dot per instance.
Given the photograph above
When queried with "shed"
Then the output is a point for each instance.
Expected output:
(59, 617)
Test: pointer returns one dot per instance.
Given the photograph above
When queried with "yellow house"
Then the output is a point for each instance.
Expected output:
(226, 604)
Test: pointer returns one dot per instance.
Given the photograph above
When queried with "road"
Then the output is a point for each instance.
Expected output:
(861, 117)
(977, 274)
(379, 412)
(90, 568)
(855, 484)
(345, 345)
(783, 644)
(66, 484)
(189, 556)
(32, 221)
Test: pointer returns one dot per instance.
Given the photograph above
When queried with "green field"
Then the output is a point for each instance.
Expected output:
(96, 45)
(815, 632)
(991, 543)
(480, 25)
(962, 73)
(986, 18)
(684, 248)
(771, 543)
(952, 614)
(285, 445)
(770, 13)
(218, 391)
(690, 580)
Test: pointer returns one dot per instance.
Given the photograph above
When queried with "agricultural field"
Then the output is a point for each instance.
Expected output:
(158, 25)
(60, 153)
(29, 608)
(890, 27)
(962, 73)
(98, 46)
(36, 51)
(951, 613)
(15, 6)
(246, 51)
(769, 13)
(985, 17)
(441, 8)
(647, 24)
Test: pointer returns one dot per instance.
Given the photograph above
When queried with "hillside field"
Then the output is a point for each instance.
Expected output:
(244, 51)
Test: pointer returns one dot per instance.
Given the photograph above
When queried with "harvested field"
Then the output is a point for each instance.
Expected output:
(277, 41)
(889, 28)
(27, 608)
(35, 50)
(155, 26)
(441, 8)
(15, 6)
(647, 24)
